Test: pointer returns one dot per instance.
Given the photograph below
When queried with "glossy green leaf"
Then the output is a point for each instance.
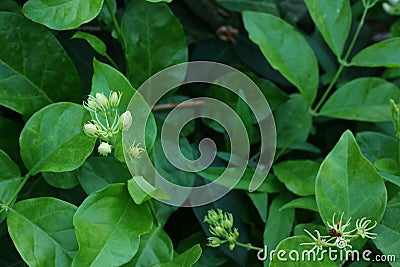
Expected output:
(30, 81)
(290, 254)
(260, 201)
(270, 185)
(147, 42)
(98, 172)
(394, 179)
(266, 6)
(363, 99)
(8, 168)
(140, 196)
(388, 233)
(387, 165)
(383, 54)
(279, 223)
(63, 180)
(155, 247)
(307, 203)
(95, 42)
(62, 14)
(333, 19)
(286, 50)
(186, 259)
(156, 1)
(348, 183)
(42, 231)
(10, 178)
(53, 140)
(374, 145)
(108, 227)
(298, 175)
(293, 122)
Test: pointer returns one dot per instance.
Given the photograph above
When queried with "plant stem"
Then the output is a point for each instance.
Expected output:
(248, 246)
(14, 196)
(114, 19)
(153, 212)
(115, 65)
(343, 62)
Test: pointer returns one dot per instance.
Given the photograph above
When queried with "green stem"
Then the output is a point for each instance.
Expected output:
(343, 62)
(115, 65)
(14, 196)
(248, 246)
(153, 212)
(114, 19)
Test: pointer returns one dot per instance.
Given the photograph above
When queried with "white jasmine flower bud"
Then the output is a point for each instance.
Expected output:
(125, 120)
(90, 129)
(102, 101)
(115, 98)
(104, 149)
(387, 7)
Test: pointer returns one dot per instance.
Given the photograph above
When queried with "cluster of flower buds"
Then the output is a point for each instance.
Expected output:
(392, 8)
(106, 121)
(220, 226)
(338, 236)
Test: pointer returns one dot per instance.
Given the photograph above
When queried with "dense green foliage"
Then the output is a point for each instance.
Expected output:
(330, 70)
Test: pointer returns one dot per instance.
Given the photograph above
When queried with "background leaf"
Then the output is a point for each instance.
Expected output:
(333, 19)
(61, 14)
(95, 42)
(286, 50)
(63, 180)
(42, 231)
(383, 54)
(363, 99)
(186, 259)
(147, 42)
(30, 81)
(53, 140)
(108, 226)
(348, 183)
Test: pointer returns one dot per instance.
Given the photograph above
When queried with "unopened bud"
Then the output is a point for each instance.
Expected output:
(102, 101)
(90, 129)
(115, 98)
(104, 149)
(125, 120)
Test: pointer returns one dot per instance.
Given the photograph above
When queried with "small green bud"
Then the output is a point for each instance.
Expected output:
(104, 148)
(232, 246)
(217, 230)
(214, 242)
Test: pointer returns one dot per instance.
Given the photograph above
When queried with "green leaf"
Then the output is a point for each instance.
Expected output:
(61, 14)
(8, 168)
(298, 175)
(388, 230)
(147, 42)
(394, 179)
(98, 172)
(383, 54)
(270, 185)
(286, 50)
(140, 196)
(260, 201)
(108, 227)
(53, 140)
(363, 99)
(288, 258)
(348, 183)
(279, 223)
(293, 122)
(186, 259)
(95, 42)
(156, 1)
(333, 19)
(42, 231)
(387, 165)
(307, 203)
(376, 145)
(30, 81)
(63, 180)
(155, 247)
(266, 6)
